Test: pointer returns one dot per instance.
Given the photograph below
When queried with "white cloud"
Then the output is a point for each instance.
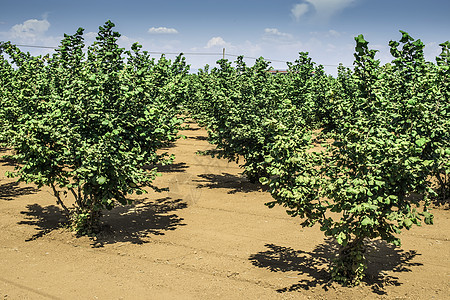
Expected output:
(277, 33)
(327, 34)
(331, 48)
(125, 39)
(251, 49)
(162, 30)
(32, 32)
(30, 29)
(299, 10)
(90, 35)
(327, 8)
(431, 51)
(216, 42)
(334, 33)
(324, 9)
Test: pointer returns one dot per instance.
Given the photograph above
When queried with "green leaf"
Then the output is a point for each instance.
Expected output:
(263, 180)
(408, 223)
(341, 238)
(101, 180)
(420, 142)
(428, 218)
(367, 221)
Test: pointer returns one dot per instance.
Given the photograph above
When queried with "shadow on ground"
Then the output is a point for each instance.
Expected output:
(199, 137)
(135, 223)
(44, 219)
(382, 258)
(11, 190)
(189, 127)
(442, 200)
(234, 183)
(6, 160)
(131, 223)
(171, 168)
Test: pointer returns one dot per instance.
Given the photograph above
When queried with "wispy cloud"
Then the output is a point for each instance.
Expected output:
(327, 34)
(334, 33)
(162, 30)
(323, 9)
(432, 50)
(274, 32)
(216, 42)
(90, 35)
(299, 10)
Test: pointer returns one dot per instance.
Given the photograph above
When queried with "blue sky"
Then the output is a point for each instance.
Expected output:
(276, 29)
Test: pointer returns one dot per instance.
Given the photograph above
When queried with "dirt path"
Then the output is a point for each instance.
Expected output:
(209, 237)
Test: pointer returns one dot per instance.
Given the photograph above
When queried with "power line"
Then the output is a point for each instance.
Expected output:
(276, 60)
(33, 46)
(272, 60)
(184, 53)
(188, 53)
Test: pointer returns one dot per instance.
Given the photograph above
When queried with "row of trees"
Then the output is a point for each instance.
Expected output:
(356, 154)
(85, 123)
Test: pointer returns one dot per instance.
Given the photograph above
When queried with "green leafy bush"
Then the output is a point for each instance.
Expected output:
(86, 124)
(361, 184)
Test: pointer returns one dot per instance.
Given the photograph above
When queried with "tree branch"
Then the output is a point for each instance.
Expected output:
(59, 201)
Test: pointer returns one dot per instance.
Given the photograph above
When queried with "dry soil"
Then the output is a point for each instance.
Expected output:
(209, 237)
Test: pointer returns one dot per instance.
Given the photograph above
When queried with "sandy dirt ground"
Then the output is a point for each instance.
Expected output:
(209, 237)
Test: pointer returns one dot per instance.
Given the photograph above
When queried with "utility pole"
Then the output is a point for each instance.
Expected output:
(223, 53)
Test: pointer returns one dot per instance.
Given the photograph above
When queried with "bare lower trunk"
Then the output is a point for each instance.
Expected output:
(351, 263)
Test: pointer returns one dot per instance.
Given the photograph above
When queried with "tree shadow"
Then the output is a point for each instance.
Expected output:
(168, 146)
(134, 223)
(131, 223)
(44, 219)
(234, 183)
(442, 200)
(171, 168)
(199, 137)
(382, 257)
(441, 203)
(7, 160)
(188, 125)
(10, 190)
